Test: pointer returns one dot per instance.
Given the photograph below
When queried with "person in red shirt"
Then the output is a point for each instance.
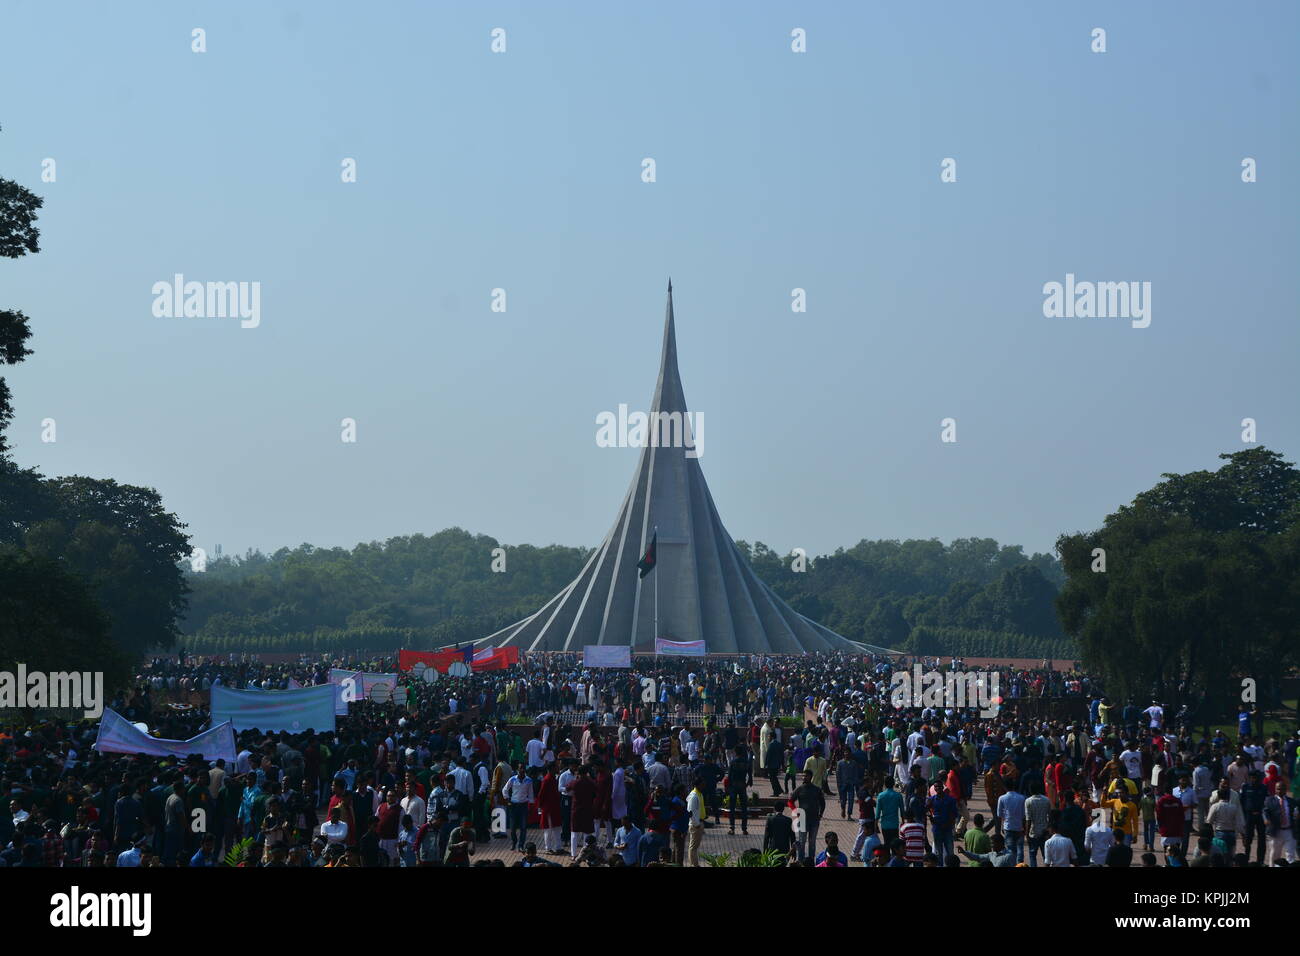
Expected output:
(601, 809)
(952, 783)
(389, 816)
(1169, 819)
(1064, 783)
(582, 814)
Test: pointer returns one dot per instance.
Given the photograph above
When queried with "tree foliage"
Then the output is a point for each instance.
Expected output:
(930, 641)
(1201, 581)
(18, 237)
(424, 591)
(879, 591)
(50, 621)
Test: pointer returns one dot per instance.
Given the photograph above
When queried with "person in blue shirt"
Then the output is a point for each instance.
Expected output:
(943, 814)
(207, 854)
(889, 807)
(627, 841)
(832, 856)
(897, 854)
(869, 846)
(132, 856)
(990, 755)
(678, 824)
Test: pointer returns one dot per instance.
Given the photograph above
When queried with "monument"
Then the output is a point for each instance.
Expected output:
(700, 588)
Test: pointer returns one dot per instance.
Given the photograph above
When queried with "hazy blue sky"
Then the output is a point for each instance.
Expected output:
(775, 170)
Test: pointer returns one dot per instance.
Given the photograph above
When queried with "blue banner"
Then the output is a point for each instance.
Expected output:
(293, 711)
(119, 736)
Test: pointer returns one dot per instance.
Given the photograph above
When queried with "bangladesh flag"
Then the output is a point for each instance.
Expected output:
(650, 558)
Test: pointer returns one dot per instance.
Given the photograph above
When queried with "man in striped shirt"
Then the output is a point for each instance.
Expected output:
(913, 836)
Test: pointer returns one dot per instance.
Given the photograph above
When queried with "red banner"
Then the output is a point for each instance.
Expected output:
(486, 659)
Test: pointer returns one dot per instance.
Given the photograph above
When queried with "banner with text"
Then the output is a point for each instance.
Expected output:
(679, 648)
(607, 655)
(483, 659)
(287, 710)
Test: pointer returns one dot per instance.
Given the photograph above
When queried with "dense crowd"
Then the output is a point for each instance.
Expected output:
(632, 767)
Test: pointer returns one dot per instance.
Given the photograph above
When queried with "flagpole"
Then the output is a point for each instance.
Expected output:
(656, 567)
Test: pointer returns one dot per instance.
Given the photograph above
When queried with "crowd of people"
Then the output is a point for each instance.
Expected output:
(565, 765)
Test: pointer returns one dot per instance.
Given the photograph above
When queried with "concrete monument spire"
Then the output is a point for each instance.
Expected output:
(707, 591)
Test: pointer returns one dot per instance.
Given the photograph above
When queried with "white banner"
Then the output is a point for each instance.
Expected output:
(117, 735)
(607, 655)
(679, 648)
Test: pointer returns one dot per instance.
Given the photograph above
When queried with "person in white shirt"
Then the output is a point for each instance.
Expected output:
(518, 792)
(1058, 850)
(20, 816)
(334, 830)
(536, 749)
(914, 739)
(920, 759)
(1097, 839)
(413, 806)
(1225, 816)
(898, 757)
(1132, 761)
(1256, 754)
(464, 779)
(1157, 715)
(695, 827)
(216, 777)
(1202, 788)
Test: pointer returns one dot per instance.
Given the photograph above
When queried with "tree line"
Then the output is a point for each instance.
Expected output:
(429, 590)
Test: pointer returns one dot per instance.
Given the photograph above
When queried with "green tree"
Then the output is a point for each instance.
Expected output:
(1199, 583)
(50, 621)
(125, 547)
(18, 237)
